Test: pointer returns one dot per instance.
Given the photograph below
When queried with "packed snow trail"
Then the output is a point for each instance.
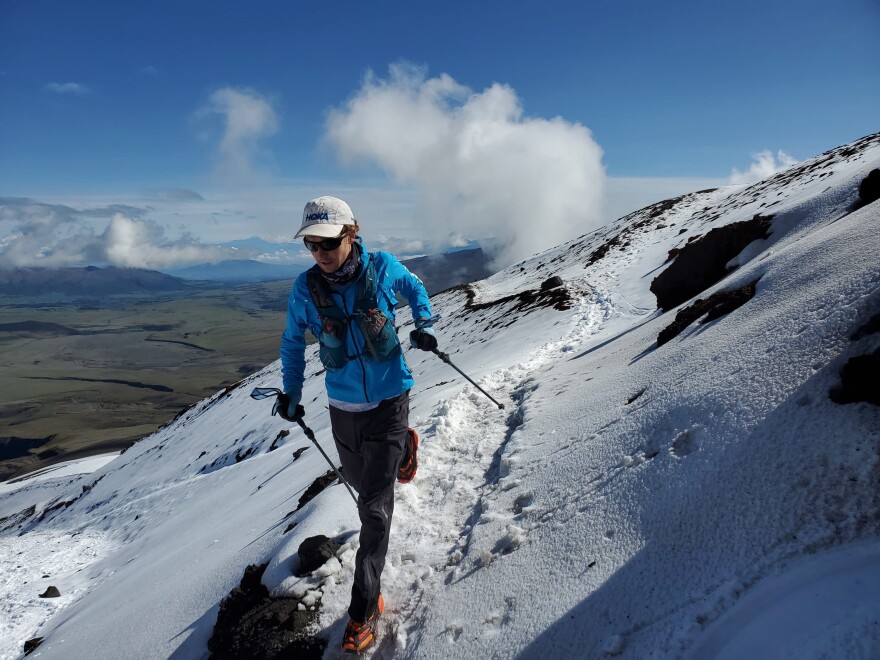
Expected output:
(462, 458)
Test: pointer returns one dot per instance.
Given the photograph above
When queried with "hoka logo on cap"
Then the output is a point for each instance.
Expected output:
(312, 217)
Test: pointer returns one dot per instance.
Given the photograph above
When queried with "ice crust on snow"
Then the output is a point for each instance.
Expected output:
(631, 501)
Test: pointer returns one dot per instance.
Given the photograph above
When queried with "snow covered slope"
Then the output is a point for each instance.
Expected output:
(700, 498)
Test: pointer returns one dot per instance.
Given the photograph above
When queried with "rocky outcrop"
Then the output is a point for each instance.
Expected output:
(715, 306)
(252, 626)
(702, 262)
(314, 552)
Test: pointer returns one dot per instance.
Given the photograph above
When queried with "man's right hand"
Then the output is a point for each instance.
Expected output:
(288, 407)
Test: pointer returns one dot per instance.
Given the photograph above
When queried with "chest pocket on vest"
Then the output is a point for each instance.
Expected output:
(380, 336)
(332, 344)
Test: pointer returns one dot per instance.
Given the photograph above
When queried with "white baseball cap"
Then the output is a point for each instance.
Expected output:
(325, 216)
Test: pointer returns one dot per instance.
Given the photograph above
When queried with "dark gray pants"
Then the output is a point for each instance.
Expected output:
(370, 446)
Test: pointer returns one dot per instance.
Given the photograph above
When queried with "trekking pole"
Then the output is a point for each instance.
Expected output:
(264, 392)
(311, 436)
(445, 357)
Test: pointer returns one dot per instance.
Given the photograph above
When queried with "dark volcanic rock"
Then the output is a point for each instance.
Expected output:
(317, 486)
(313, 552)
(283, 433)
(524, 301)
(714, 307)
(869, 189)
(869, 327)
(51, 592)
(252, 626)
(703, 262)
(859, 380)
(31, 644)
(551, 283)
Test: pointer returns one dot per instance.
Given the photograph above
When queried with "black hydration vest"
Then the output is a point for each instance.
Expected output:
(377, 328)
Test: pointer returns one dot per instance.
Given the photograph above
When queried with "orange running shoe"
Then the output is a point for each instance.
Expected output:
(410, 461)
(358, 637)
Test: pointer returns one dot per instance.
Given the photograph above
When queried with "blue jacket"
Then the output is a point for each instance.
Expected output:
(360, 380)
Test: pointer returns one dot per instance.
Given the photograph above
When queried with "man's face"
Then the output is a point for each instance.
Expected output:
(331, 260)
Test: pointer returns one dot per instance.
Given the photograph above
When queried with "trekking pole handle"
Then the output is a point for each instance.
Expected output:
(445, 357)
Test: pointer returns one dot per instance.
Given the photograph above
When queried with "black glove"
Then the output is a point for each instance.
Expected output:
(287, 406)
(423, 338)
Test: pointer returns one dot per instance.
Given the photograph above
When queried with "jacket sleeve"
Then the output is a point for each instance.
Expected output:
(293, 341)
(410, 286)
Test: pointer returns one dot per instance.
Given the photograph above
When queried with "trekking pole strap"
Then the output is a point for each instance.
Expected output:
(445, 357)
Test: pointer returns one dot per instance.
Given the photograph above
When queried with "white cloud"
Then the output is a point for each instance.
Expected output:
(55, 236)
(67, 88)
(143, 244)
(479, 166)
(765, 164)
(248, 119)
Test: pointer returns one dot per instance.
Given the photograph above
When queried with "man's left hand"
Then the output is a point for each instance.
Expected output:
(423, 338)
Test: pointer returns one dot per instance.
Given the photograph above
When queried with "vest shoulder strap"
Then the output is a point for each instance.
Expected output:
(320, 291)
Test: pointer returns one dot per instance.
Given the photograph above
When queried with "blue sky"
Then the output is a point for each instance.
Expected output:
(101, 102)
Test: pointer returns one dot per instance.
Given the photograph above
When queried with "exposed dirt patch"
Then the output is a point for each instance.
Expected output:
(713, 307)
(703, 261)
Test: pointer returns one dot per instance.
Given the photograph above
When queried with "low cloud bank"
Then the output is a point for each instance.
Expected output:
(480, 167)
(55, 236)
(765, 164)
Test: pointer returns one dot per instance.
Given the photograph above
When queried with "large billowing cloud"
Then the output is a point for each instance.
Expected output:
(54, 236)
(481, 168)
(248, 118)
(765, 164)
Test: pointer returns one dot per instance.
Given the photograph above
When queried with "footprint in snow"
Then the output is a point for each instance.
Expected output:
(686, 442)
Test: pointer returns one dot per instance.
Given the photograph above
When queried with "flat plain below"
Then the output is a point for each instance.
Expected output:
(83, 376)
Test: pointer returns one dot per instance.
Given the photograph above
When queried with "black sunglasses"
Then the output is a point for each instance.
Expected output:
(328, 244)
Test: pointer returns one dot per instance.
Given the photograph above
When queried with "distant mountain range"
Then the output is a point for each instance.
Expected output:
(238, 270)
(442, 271)
(87, 281)
(438, 272)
